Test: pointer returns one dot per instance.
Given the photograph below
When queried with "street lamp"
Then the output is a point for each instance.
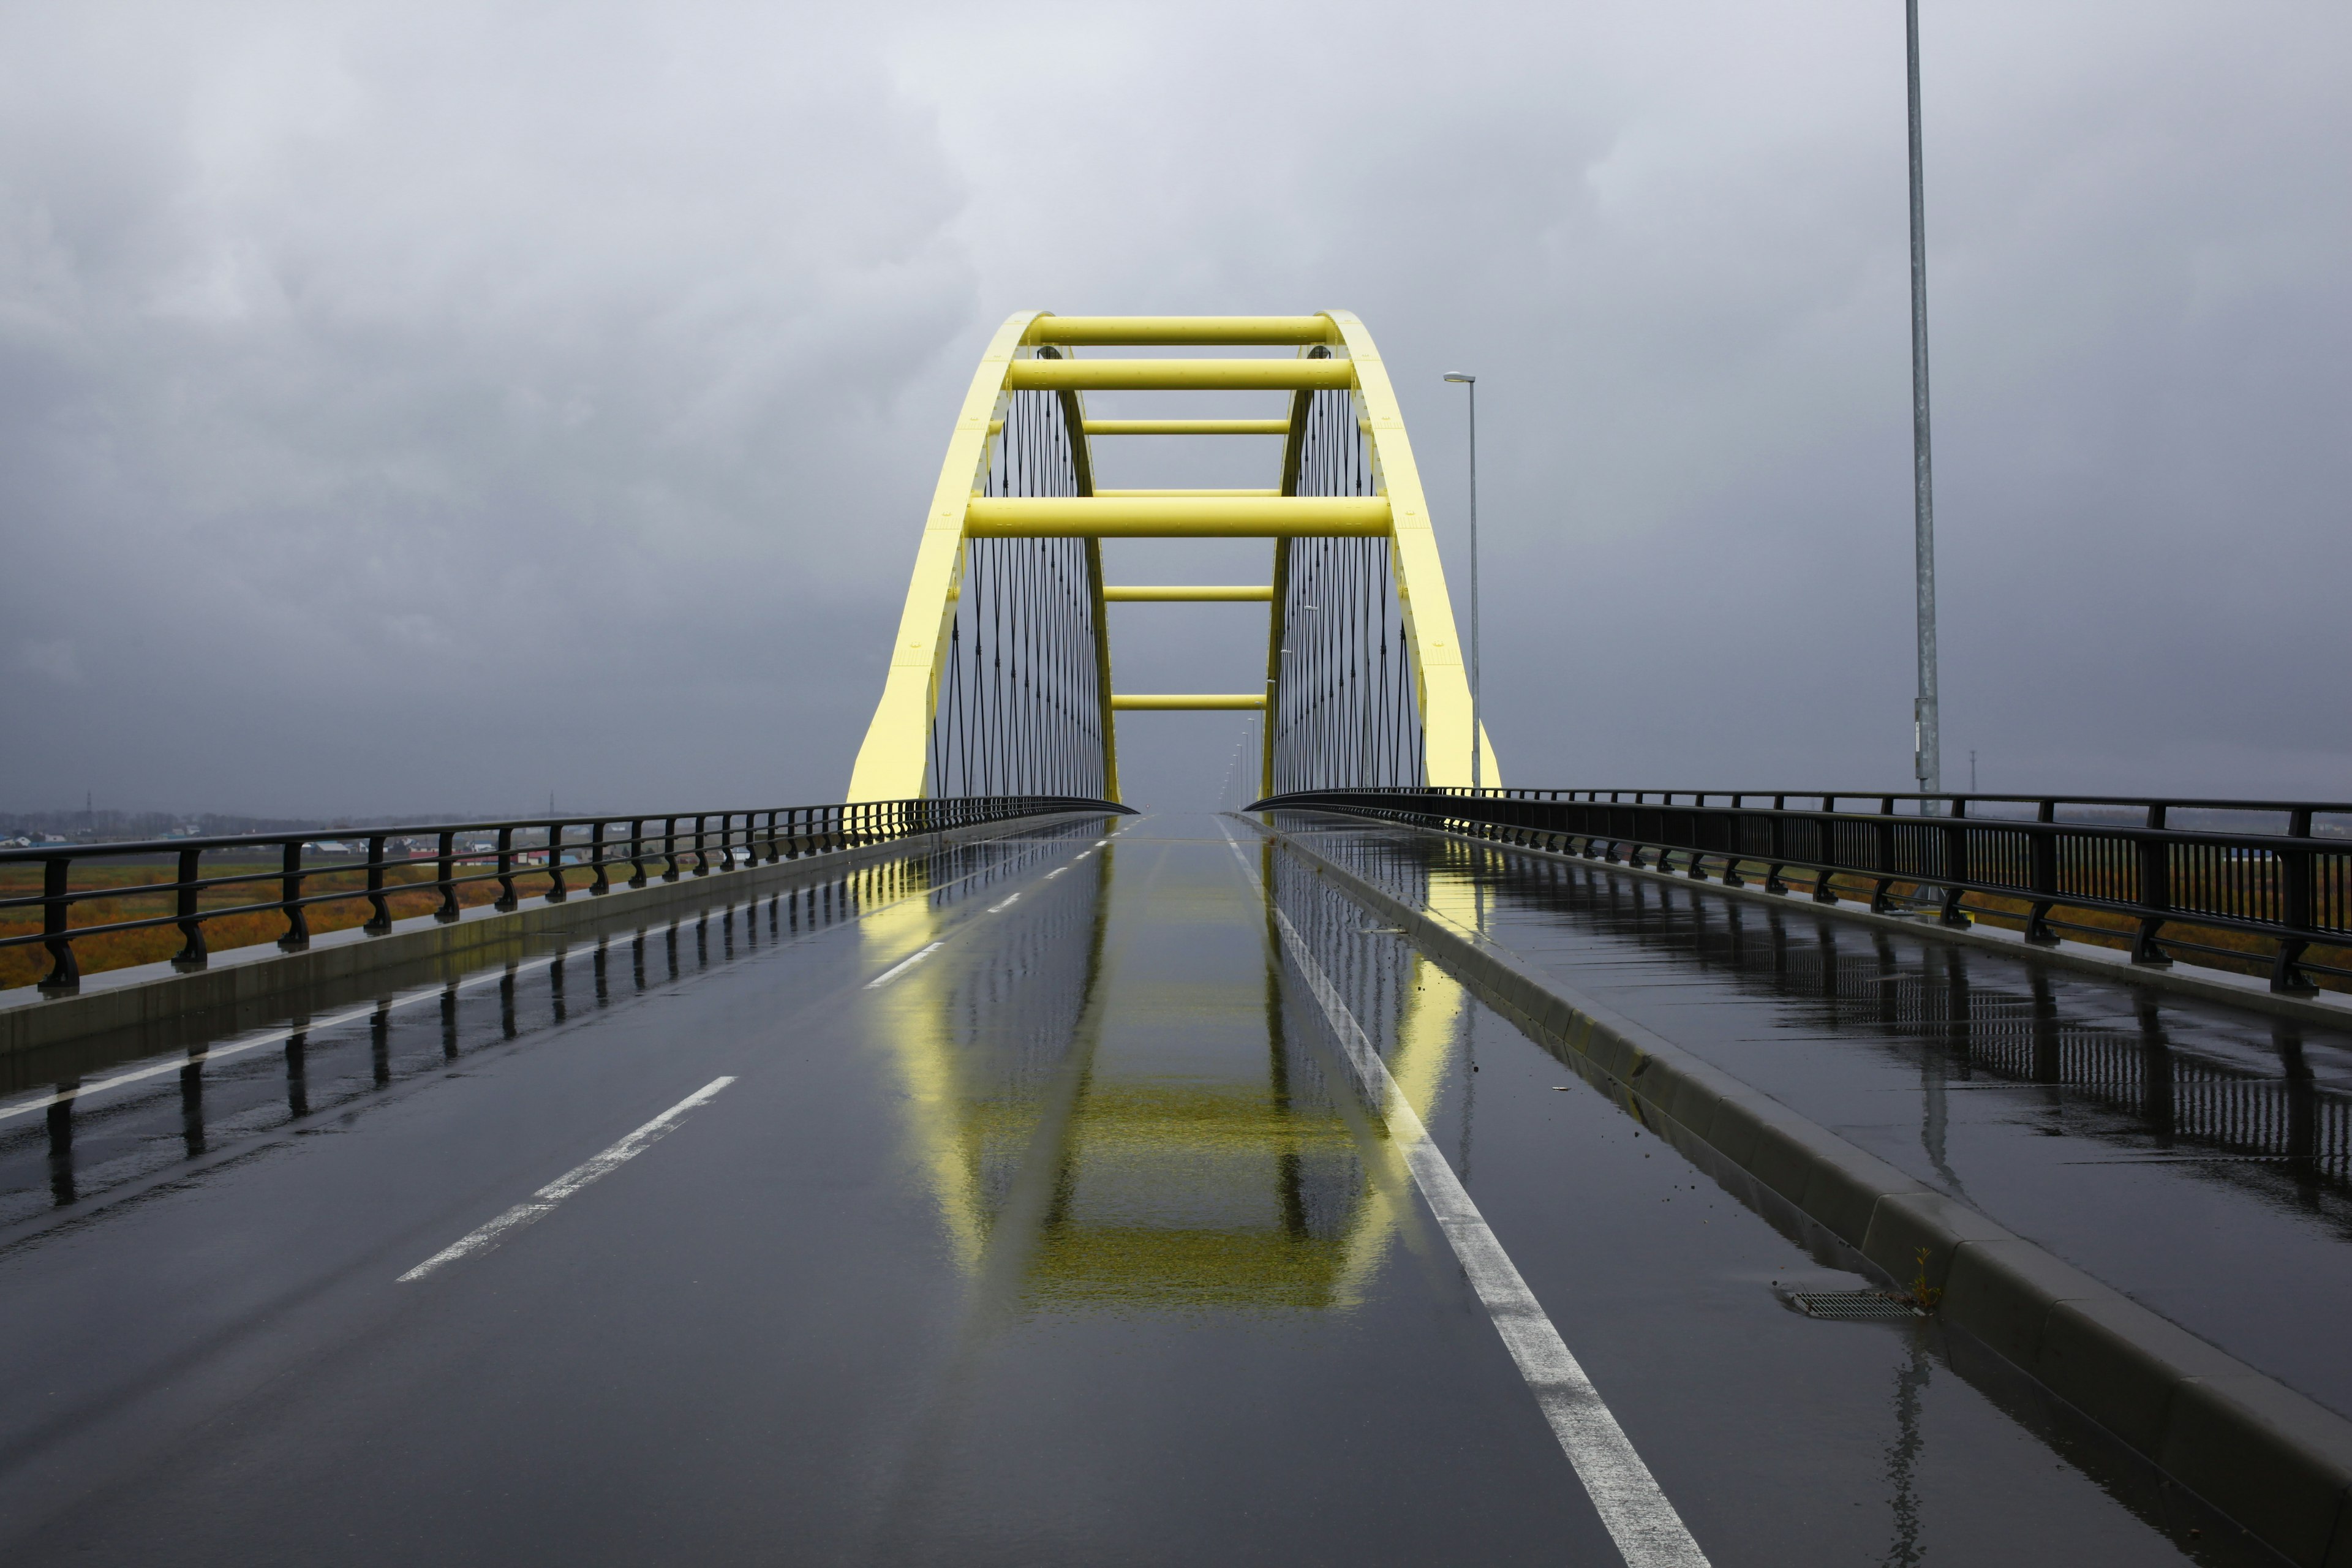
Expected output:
(1477, 733)
(1926, 739)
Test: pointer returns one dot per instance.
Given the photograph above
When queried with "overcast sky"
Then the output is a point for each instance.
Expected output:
(425, 408)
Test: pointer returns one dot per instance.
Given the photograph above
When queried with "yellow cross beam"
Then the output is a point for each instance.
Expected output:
(1175, 517)
(1188, 426)
(1182, 330)
(1172, 701)
(1219, 594)
(1178, 376)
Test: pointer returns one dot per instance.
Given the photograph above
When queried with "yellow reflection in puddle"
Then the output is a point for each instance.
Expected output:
(1103, 1130)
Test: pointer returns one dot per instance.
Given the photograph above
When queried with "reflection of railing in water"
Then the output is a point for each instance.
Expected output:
(2177, 1095)
(237, 1089)
(2284, 1121)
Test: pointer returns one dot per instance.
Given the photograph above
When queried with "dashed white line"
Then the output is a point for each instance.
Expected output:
(999, 908)
(903, 965)
(541, 1202)
(1632, 1507)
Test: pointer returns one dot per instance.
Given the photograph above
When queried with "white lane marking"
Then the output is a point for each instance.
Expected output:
(1000, 909)
(1056, 871)
(564, 1185)
(1633, 1508)
(332, 1020)
(903, 965)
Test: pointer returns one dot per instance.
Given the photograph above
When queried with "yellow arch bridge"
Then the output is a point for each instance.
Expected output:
(1000, 678)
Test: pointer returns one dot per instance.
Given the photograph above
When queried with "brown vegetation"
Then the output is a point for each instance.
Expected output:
(120, 949)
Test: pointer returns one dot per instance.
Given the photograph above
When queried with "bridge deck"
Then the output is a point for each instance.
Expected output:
(1027, 1215)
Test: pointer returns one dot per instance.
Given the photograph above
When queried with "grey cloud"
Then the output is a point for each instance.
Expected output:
(425, 408)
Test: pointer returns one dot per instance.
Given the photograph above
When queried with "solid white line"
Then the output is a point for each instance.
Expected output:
(1635, 1509)
(901, 967)
(564, 1185)
(332, 1020)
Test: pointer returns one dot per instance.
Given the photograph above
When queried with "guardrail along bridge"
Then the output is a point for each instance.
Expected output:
(975, 1170)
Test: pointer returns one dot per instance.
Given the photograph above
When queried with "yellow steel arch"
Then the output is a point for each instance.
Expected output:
(1035, 350)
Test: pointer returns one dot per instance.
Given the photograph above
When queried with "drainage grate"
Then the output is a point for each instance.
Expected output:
(1851, 1306)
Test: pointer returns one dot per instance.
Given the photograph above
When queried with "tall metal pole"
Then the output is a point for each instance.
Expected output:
(1478, 731)
(1927, 763)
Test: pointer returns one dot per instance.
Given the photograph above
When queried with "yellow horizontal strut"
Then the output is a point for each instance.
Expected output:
(1188, 426)
(1172, 331)
(1179, 374)
(1173, 702)
(1223, 593)
(1175, 517)
(1268, 491)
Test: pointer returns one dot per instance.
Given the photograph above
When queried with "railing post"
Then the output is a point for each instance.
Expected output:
(1778, 826)
(2044, 878)
(56, 918)
(603, 881)
(505, 901)
(1955, 862)
(379, 920)
(636, 852)
(445, 876)
(2155, 892)
(289, 900)
(670, 872)
(1883, 847)
(193, 953)
(556, 891)
(2295, 875)
(701, 847)
(1824, 880)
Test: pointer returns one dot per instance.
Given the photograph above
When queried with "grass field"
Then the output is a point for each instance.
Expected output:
(122, 949)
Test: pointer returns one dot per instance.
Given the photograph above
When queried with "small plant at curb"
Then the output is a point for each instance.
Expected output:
(1923, 1295)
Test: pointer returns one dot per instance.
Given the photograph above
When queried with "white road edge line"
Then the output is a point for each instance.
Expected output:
(564, 1185)
(1635, 1509)
(903, 965)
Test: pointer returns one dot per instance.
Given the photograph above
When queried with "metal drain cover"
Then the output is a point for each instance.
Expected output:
(1852, 1306)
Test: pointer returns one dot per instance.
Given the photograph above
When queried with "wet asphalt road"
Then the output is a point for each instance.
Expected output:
(2197, 1157)
(1037, 1221)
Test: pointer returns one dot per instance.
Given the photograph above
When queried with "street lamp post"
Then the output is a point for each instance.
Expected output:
(1478, 731)
(1927, 761)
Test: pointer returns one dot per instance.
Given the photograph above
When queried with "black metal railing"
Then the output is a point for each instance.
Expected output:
(2280, 869)
(461, 853)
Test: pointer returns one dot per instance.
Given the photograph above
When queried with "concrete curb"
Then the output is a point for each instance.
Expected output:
(154, 994)
(2269, 1459)
(2333, 1009)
